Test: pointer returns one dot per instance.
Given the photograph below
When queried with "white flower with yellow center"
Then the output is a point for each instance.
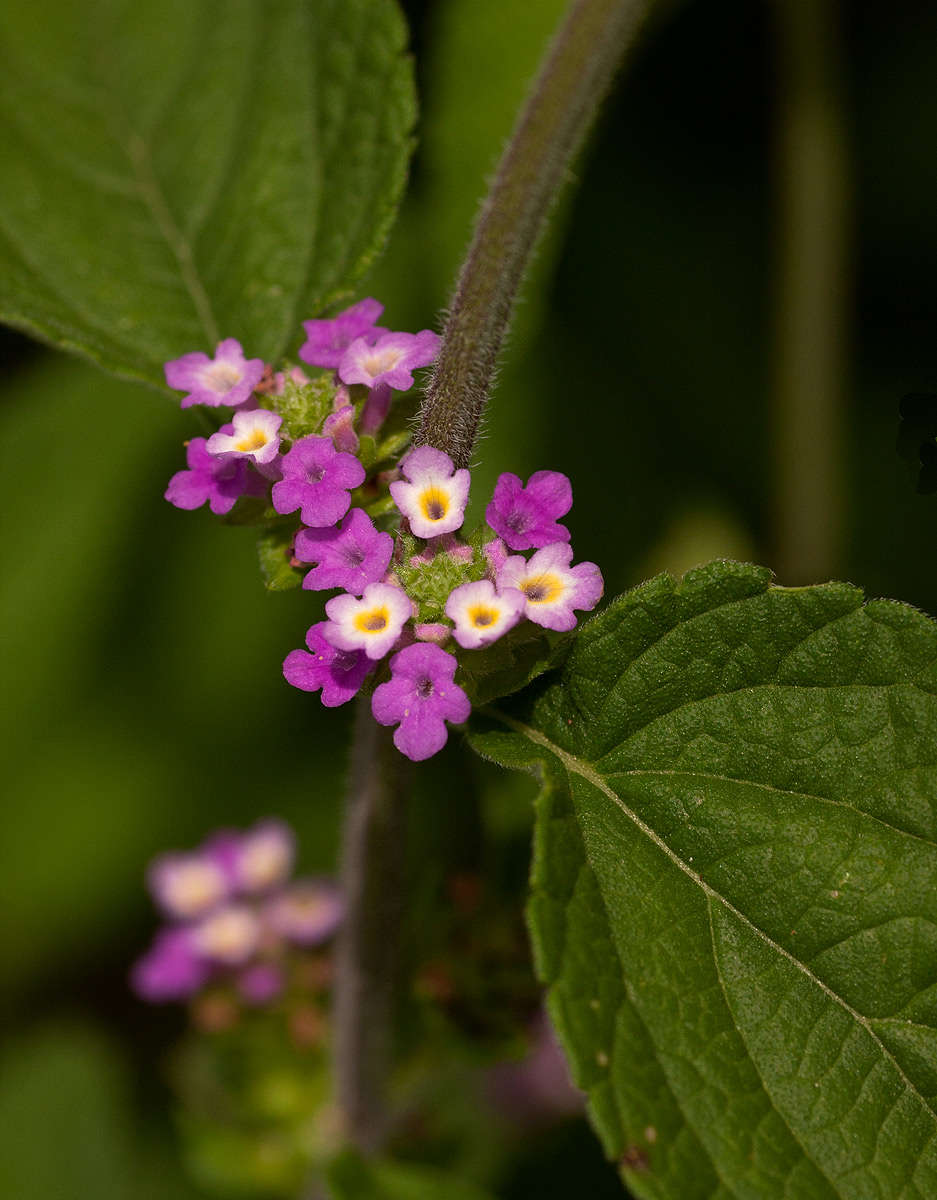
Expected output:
(371, 623)
(481, 615)
(551, 587)
(434, 499)
(253, 435)
(187, 885)
(229, 935)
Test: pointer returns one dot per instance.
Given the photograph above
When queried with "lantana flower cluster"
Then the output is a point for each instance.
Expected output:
(234, 920)
(420, 605)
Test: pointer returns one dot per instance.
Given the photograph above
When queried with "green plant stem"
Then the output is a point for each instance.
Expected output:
(368, 948)
(813, 228)
(574, 79)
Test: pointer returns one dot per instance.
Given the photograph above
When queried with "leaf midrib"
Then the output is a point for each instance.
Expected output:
(576, 766)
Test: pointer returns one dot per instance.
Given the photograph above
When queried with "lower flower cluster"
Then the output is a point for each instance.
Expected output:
(417, 600)
(234, 918)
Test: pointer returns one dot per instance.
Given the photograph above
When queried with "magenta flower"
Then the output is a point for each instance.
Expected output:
(307, 913)
(220, 481)
(372, 623)
(434, 499)
(339, 673)
(326, 341)
(481, 615)
(420, 697)
(170, 970)
(391, 360)
(253, 436)
(186, 886)
(552, 589)
(228, 378)
(526, 517)
(317, 479)
(260, 983)
(350, 556)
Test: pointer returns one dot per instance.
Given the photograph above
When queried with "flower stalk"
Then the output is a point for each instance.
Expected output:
(560, 109)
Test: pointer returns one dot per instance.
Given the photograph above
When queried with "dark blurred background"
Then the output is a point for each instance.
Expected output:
(144, 704)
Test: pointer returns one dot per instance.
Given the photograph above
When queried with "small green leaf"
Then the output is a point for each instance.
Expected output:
(180, 172)
(735, 885)
(352, 1177)
(275, 551)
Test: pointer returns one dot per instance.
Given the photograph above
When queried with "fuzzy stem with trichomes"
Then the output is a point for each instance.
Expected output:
(575, 76)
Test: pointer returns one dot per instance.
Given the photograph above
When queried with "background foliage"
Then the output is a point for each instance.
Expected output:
(142, 653)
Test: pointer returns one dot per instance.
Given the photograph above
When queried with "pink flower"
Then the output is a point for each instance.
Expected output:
(349, 557)
(339, 673)
(251, 435)
(434, 499)
(526, 517)
(481, 615)
(317, 479)
(372, 623)
(326, 341)
(228, 378)
(552, 589)
(220, 481)
(420, 697)
(390, 360)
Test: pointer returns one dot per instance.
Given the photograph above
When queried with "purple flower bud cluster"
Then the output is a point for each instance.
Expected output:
(234, 918)
(415, 595)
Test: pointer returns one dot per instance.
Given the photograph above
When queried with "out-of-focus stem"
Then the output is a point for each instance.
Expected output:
(368, 947)
(574, 79)
(813, 229)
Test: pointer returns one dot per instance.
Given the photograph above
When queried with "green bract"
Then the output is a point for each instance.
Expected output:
(230, 169)
(735, 884)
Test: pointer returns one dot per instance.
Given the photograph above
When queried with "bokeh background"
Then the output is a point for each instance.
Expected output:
(143, 703)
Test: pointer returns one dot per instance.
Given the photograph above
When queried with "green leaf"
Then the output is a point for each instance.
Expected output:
(734, 900)
(180, 172)
(352, 1177)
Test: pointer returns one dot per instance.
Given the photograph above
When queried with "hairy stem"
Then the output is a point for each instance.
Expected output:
(576, 74)
(812, 291)
(368, 948)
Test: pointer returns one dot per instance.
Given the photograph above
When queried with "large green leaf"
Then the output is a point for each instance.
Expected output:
(735, 885)
(182, 171)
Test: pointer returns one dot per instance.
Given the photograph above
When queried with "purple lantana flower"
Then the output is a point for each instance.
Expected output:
(186, 886)
(526, 517)
(228, 378)
(326, 341)
(551, 587)
(392, 359)
(340, 427)
(171, 969)
(372, 623)
(307, 913)
(317, 479)
(420, 697)
(434, 499)
(229, 935)
(264, 857)
(251, 435)
(339, 673)
(349, 557)
(481, 615)
(220, 481)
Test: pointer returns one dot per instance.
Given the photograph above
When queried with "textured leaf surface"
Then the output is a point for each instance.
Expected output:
(734, 899)
(179, 172)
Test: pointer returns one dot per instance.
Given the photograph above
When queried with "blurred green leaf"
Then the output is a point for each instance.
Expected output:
(734, 898)
(180, 172)
(351, 1177)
